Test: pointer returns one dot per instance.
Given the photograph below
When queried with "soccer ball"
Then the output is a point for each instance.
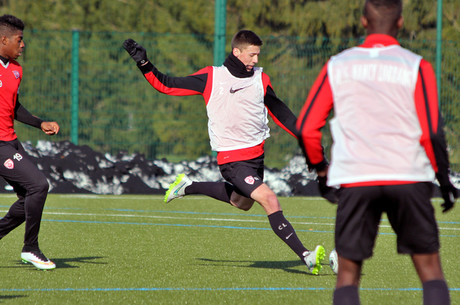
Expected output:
(333, 261)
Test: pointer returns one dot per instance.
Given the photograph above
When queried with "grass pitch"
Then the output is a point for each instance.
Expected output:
(196, 250)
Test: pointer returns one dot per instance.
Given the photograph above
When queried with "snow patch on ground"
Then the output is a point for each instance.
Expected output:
(79, 169)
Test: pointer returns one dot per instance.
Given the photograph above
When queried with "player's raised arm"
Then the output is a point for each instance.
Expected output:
(194, 84)
(136, 51)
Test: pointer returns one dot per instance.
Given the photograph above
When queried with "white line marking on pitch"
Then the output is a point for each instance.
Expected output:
(203, 219)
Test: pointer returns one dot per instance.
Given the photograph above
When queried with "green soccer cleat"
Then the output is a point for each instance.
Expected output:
(177, 188)
(313, 259)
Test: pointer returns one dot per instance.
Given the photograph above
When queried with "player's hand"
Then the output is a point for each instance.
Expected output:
(50, 128)
(136, 51)
(449, 194)
(326, 191)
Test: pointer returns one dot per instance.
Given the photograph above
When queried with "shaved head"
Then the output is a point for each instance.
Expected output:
(245, 38)
(10, 25)
(383, 16)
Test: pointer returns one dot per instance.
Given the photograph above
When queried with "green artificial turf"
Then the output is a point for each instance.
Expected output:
(196, 250)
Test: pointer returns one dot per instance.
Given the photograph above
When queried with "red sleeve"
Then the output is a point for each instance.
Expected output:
(312, 118)
(266, 82)
(431, 123)
(194, 84)
(426, 104)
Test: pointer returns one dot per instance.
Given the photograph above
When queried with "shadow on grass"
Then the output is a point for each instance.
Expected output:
(10, 297)
(65, 263)
(68, 262)
(287, 266)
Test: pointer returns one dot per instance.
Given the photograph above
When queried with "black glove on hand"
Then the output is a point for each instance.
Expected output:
(136, 51)
(327, 192)
(449, 194)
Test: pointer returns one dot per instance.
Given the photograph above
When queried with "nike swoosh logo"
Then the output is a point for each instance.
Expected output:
(287, 237)
(179, 187)
(235, 90)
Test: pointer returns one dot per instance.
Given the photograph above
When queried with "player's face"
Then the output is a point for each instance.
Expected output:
(13, 45)
(249, 56)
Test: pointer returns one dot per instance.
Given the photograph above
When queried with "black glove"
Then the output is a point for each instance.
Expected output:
(449, 194)
(327, 192)
(136, 51)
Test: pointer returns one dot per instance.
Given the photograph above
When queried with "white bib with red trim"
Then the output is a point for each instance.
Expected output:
(375, 128)
(236, 111)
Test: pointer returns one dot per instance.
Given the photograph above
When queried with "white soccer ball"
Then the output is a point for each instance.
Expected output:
(334, 261)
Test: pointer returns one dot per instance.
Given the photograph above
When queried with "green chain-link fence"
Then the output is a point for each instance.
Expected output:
(119, 111)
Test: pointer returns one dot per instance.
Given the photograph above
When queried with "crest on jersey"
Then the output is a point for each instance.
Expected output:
(16, 74)
(1, 84)
(249, 180)
(9, 164)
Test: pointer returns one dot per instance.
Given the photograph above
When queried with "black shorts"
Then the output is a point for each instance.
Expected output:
(409, 212)
(245, 176)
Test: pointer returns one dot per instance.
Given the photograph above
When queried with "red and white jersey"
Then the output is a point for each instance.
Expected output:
(375, 127)
(10, 79)
(236, 111)
(387, 128)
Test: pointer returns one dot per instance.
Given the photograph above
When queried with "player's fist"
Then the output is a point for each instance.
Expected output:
(449, 194)
(50, 128)
(136, 51)
(326, 191)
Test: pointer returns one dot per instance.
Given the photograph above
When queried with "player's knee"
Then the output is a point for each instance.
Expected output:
(246, 206)
(242, 203)
(272, 199)
(40, 187)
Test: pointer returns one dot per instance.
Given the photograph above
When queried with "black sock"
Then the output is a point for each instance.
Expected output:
(346, 295)
(436, 292)
(30, 248)
(217, 190)
(286, 232)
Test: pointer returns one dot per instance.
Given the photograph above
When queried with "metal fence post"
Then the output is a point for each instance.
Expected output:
(220, 23)
(74, 86)
(438, 48)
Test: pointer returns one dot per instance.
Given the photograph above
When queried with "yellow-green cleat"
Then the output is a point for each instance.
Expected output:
(313, 259)
(177, 188)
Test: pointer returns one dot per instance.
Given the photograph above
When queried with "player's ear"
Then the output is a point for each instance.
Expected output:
(236, 52)
(364, 22)
(400, 22)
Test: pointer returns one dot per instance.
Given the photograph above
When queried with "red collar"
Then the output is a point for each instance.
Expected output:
(378, 40)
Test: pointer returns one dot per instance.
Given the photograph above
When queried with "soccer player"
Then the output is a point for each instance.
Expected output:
(238, 97)
(16, 167)
(389, 146)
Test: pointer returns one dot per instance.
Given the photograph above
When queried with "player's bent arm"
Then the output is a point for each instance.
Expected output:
(431, 122)
(312, 118)
(22, 115)
(194, 84)
(280, 113)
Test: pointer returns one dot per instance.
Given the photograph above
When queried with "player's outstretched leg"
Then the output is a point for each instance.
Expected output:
(313, 259)
(177, 188)
(283, 228)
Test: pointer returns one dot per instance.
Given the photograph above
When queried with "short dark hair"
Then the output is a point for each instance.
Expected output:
(245, 38)
(388, 10)
(10, 24)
